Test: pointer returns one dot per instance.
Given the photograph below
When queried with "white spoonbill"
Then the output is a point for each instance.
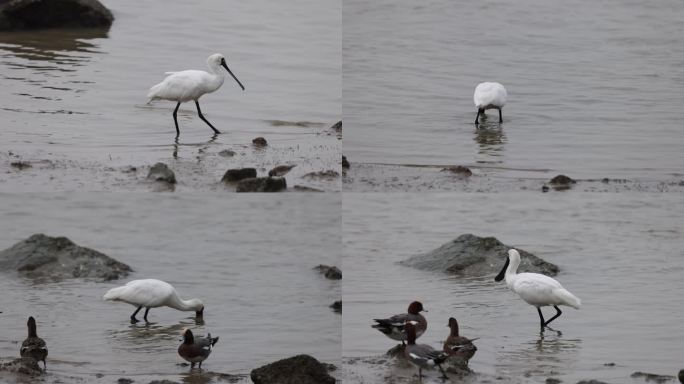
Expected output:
(191, 85)
(152, 293)
(536, 289)
(489, 96)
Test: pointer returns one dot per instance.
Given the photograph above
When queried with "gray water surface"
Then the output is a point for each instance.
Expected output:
(249, 259)
(622, 255)
(594, 89)
(76, 98)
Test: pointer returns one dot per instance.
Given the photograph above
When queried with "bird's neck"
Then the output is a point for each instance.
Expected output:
(180, 304)
(454, 330)
(32, 331)
(512, 271)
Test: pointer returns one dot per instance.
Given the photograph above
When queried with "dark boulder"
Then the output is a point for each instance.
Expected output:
(458, 170)
(337, 306)
(681, 376)
(472, 255)
(57, 258)
(561, 183)
(652, 377)
(40, 14)
(345, 162)
(259, 142)
(232, 175)
(300, 369)
(330, 272)
(161, 172)
(262, 184)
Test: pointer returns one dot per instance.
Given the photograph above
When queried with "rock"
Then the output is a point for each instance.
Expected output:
(458, 170)
(652, 377)
(681, 376)
(300, 369)
(551, 380)
(38, 14)
(21, 164)
(304, 188)
(232, 175)
(280, 170)
(58, 258)
(345, 162)
(337, 127)
(562, 180)
(337, 306)
(161, 172)
(609, 364)
(129, 169)
(163, 382)
(545, 188)
(259, 142)
(329, 174)
(124, 380)
(23, 365)
(262, 184)
(227, 153)
(472, 255)
(592, 381)
(332, 273)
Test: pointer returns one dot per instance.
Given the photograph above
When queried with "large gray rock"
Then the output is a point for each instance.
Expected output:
(38, 14)
(261, 184)
(57, 258)
(300, 369)
(472, 255)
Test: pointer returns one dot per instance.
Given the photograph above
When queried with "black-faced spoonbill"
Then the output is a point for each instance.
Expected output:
(536, 289)
(422, 355)
(196, 349)
(191, 85)
(459, 348)
(152, 293)
(34, 346)
(489, 96)
(393, 327)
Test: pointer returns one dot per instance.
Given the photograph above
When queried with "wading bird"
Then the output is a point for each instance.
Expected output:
(489, 96)
(34, 346)
(196, 350)
(393, 327)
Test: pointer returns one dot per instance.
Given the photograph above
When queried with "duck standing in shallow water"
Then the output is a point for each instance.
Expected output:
(536, 289)
(422, 355)
(460, 349)
(393, 327)
(152, 293)
(34, 346)
(489, 96)
(196, 350)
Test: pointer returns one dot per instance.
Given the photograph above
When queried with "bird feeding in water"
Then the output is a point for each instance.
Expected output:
(152, 293)
(191, 85)
(489, 96)
(34, 346)
(536, 289)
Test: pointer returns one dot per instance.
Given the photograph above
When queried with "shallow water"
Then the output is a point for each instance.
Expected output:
(594, 90)
(78, 97)
(249, 259)
(621, 254)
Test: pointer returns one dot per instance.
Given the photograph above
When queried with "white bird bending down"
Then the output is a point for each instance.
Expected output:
(152, 293)
(489, 96)
(191, 85)
(536, 289)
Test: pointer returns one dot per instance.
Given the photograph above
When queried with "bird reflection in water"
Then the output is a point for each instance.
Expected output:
(202, 146)
(491, 139)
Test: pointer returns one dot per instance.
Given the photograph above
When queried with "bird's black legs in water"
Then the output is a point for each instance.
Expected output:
(541, 318)
(479, 112)
(175, 119)
(133, 319)
(500, 118)
(146, 311)
(420, 373)
(547, 322)
(199, 112)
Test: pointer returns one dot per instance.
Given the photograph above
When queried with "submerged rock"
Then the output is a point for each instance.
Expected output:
(23, 365)
(681, 376)
(227, 153)
(592, 381)
(652, 377)
(561, 183)
(345, 162)
(300, 369)
(21, 165)
(39, 14)
(330, 272)
(58, 258)
(161, 172)
(259, 142)
(472, 255)
(337, 306)
(458, 170)
(329, 174)
(232, 175)
(262, 184)
(280, 170)
(337, 127)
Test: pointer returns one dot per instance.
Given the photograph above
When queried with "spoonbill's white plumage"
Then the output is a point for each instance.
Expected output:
(536, 289)
(152, 293)
(489, 95)
(191, 85)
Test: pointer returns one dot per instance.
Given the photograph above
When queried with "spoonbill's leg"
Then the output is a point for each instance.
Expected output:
(541, 318)
(500, 118)
(146, 311)
(558, 313)
(175, 119)
(199, 112)
(479, 112)
(133, 319)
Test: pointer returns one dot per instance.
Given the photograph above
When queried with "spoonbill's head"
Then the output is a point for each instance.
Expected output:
(218, 60)
(198, 306)
(416, 307)
(513, 255)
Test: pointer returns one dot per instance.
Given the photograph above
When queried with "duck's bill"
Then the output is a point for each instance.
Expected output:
(231, 73)
(501, 274)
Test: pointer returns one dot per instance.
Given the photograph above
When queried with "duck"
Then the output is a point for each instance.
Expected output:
(536, 289)
(459, 349)
(152, 293)
(393, 326)
(34, 346)
(489, 95)
(196, 350)
(422, 355)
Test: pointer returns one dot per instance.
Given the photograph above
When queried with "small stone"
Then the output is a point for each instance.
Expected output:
(304, 188)
(345, 162)
(459, 170)
(329, 174)
(337, 127)
(330, 272)
(227, 153)
(129, 169)
(259, 142)
(337, 306)
(545, 188)
(562, 180)
(605, 180)
(552, 380)
(261, 184)
(233, 175)
(280, 170)
(21, 164)
(609, 364)
(161, 172)
(99, 375)
(124, 380)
